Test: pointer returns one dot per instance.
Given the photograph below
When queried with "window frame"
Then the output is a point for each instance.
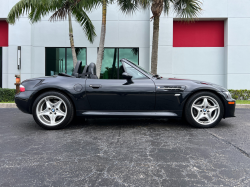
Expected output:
(65, 55)
(126, 70)
(119, 56)
(138, 69)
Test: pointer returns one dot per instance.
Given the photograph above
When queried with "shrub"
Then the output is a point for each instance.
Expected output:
(240, 94)
(7, 95)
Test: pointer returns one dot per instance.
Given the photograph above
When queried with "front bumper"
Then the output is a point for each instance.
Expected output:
(229, 110)
(23, 101)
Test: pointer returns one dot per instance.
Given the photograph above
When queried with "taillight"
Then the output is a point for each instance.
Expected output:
(22, 88)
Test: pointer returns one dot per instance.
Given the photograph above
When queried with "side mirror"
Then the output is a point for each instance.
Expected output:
(127, 76)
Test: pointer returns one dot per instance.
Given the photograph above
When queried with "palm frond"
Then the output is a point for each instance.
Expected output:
(135, 51)
(187, 9)
(60, 14)
(86, 24)
(166, 6)
(78, 50)
(43, 8)
(128, 6)
(20, 8)
(89, 5)
(145, 4)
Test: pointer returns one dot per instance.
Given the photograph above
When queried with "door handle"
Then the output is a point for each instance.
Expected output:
(95, 86)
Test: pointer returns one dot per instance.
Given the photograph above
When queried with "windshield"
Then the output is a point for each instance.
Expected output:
(145, 71)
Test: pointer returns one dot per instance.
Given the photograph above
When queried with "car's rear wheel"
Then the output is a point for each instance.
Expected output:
(52, 110)
(204, 110)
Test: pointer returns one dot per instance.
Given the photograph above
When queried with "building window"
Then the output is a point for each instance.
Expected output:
(59, 60)
(1, 67)
(111, 65)
(4, 30)
(198, 34)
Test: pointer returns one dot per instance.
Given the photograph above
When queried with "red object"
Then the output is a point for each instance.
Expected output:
(17, 80)
(22, 88)
(198, 34)
(4, 32)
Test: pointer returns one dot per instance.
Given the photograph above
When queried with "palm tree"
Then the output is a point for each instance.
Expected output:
(126, 6)
(187, 9)
(102, 39)
(62, 9)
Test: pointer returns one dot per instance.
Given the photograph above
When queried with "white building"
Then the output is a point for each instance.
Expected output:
(218, 52)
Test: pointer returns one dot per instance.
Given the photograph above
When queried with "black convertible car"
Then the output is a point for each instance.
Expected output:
(55, 100)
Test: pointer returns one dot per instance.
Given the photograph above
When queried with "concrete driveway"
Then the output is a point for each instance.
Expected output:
(124, 152)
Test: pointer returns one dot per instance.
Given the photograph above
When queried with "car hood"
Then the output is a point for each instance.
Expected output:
(194, 83)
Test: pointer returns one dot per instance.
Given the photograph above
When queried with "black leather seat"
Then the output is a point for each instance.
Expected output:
(92, 71)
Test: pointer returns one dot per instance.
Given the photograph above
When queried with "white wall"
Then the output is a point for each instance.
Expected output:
(238, 53)
(205, 63)
(228, 66)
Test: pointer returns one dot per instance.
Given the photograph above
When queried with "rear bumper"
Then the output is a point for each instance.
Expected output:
(23, 101)
(229, 110)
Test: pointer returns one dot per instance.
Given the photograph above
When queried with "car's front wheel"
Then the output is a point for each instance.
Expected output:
(52, 110)
(204, 110)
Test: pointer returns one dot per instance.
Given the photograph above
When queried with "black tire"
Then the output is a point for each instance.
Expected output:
(68, 105)
(188, 110)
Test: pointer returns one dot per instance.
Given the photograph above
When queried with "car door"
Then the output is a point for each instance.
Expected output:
(121, 95)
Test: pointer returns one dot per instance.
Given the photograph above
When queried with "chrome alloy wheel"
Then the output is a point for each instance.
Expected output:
(51, 110)
(205, 110)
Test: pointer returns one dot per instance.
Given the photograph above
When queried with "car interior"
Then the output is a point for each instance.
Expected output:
(90, 71)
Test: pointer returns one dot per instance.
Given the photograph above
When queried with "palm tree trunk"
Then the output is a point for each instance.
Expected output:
(71, 38)
(113, 66)
(154, 55)
(102, 39)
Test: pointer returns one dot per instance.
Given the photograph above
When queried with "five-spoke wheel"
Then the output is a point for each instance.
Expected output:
(204, 109)
(52, 110)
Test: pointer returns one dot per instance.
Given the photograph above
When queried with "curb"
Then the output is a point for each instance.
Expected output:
(8, 105)
(243, 106)
(13, 105)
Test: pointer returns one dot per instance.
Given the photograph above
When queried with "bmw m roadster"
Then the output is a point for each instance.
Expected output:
(54, 101)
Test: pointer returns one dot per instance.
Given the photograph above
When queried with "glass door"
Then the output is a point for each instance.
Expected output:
(111, 66)
(59, 60)
(55, 61)
(81, 55)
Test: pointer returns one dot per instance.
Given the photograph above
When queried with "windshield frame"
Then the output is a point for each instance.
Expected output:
(143, 71)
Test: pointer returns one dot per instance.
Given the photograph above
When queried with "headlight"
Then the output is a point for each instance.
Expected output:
(227, 95)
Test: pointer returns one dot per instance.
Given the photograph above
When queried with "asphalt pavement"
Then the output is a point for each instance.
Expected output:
(124, 152)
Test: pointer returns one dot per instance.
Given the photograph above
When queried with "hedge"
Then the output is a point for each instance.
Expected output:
(240, 94)
(7, 95)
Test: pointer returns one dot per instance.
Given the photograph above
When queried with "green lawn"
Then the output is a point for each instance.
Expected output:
(8, 102)
(242, 102)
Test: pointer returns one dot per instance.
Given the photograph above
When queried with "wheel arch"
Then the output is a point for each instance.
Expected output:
(49, 90)
(203, 90)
